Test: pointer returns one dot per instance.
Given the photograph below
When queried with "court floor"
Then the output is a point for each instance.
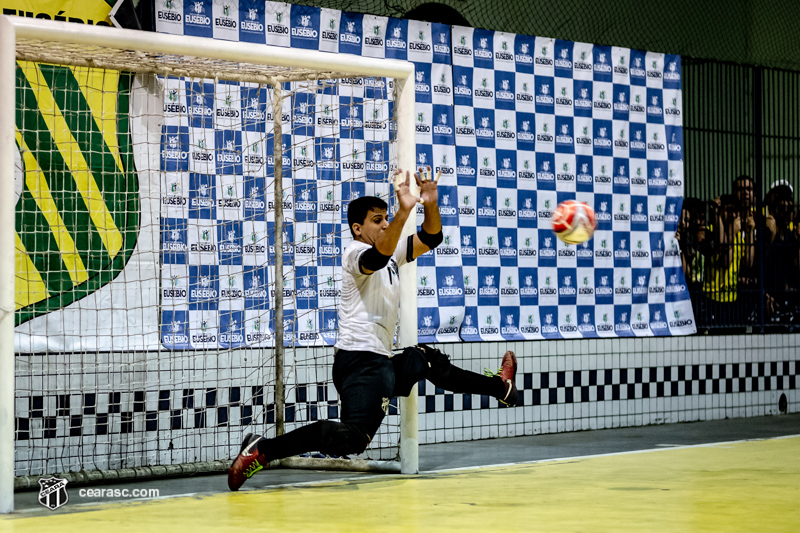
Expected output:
(742, 485)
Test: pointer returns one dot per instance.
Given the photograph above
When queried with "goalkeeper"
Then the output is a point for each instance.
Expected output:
(365, 373)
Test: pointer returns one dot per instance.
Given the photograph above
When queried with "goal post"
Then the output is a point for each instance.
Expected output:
(7, 273)
(62, 43)
(409, 426)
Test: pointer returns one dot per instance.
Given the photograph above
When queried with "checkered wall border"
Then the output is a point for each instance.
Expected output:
(564, 386)
(550, 388)
(76, 415)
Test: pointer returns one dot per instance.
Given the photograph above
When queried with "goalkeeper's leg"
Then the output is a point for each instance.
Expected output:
(365, 382)
(443, 374)
(332, 438)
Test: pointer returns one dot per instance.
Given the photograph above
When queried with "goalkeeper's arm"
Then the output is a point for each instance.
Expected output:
(430, 236)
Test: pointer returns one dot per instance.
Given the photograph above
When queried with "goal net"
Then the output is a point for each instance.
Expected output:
(181, 215)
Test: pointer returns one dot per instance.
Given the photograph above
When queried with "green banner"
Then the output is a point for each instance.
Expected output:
(77, 213)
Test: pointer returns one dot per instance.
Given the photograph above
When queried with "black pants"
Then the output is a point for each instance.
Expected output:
(366, 382)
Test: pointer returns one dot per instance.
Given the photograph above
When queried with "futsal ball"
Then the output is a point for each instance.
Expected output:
(574, 222)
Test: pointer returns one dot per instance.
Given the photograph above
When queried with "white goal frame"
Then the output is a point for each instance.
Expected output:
(156, 53)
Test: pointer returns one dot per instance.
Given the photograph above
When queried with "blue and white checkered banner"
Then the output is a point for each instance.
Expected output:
(516, 125)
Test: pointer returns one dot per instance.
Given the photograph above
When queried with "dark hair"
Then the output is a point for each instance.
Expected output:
(357, 210)
(779, 193)
(693, 205)
(743, 177)
(727, 200)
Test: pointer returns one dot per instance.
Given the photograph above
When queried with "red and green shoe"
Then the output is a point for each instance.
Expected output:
(508, 369)
(248, 462)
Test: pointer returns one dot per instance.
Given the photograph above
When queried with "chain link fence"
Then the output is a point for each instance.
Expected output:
(740, 226)
(756, 32)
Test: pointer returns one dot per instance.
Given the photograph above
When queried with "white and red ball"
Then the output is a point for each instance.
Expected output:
(574, 222)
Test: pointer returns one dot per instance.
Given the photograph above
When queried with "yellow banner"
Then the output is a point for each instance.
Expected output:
(80, 11)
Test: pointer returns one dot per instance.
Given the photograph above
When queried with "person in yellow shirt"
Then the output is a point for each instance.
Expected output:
(748, 287)
(725, 250)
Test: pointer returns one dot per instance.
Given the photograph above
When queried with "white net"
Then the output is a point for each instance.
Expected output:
(146, 280)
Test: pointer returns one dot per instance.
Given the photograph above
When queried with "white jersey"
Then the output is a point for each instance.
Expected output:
(370, 304)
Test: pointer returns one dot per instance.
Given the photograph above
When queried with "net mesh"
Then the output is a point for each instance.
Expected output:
(146, 324)
(121, 59)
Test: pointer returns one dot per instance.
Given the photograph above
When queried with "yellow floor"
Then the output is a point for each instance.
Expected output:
(745, 486)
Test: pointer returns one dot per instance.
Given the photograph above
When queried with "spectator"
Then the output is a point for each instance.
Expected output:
(769, 199)
(748, 289)
(744, 191)
(782, 264)
(724, 250)
(797, 222)
(690, 236)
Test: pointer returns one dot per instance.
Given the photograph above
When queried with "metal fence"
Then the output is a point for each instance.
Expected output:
(740, 225)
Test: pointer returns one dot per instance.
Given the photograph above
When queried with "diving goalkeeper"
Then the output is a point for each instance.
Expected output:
(365, 373)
